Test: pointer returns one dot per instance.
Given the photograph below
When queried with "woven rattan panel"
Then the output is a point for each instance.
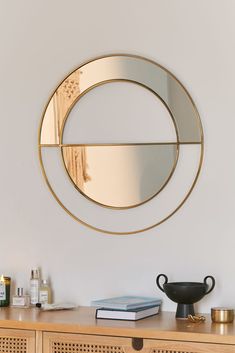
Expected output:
(170, 351)
(74, 347)
(13, 345)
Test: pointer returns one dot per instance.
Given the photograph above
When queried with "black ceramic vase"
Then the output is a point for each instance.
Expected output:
(185, 294)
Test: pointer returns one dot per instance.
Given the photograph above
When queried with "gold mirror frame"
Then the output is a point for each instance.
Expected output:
(74, 86)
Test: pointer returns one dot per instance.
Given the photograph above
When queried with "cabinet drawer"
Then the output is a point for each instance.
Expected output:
(17, 341)
(76, 343)
(162, 346)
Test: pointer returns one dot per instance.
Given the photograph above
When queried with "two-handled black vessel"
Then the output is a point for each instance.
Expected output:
(185, 293)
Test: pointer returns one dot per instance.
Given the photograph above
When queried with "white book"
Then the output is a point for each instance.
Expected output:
(135, 314)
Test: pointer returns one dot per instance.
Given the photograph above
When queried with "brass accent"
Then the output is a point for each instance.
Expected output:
(71, 90)
(222, 315)
(196, 318)
(119, 144)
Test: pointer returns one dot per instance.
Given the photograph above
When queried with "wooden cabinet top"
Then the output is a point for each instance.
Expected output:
(82, 320)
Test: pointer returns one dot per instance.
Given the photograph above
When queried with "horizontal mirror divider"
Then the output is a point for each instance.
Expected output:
(191, 143)
(118, 144)
(49, 145)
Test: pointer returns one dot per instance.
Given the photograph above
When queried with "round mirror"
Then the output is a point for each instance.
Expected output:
(123, 126)
(119, 172)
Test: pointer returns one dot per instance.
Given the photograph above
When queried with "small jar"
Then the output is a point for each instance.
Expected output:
(5, 285)
(20, 300)
(222, 315)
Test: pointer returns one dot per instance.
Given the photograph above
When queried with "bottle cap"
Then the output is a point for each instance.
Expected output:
(35, 273)
(45, 282)
(20, 292)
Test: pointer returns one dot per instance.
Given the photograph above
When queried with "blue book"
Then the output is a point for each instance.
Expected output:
(126, 302)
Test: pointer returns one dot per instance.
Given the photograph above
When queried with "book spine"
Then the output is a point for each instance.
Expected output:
(96, 312)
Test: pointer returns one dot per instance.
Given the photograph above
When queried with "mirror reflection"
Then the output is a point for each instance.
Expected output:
(120, 176)
(116, 113)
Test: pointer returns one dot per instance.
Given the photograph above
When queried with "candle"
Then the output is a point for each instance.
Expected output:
(5, 283)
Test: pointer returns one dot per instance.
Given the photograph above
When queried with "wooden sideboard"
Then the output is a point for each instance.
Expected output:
(77, 331)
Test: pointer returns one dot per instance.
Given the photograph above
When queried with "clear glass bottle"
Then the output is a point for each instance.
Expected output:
(20, 300)
(45, 293)
(34, 286)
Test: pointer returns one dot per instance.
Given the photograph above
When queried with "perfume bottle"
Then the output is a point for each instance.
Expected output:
(34, 286)
(44, 292)
(20, 300)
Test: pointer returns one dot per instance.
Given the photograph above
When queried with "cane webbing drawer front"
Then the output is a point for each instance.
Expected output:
(17, 341)
(161, 346)
(76, 343)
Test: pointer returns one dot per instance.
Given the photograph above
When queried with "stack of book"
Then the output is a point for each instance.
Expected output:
(126, 308)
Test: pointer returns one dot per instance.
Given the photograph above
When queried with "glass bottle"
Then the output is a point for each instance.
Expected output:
(34, 286)
(45, 293)
(20, 300)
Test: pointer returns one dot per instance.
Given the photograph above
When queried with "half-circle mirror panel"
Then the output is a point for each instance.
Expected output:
(121, 164)
(120, 176)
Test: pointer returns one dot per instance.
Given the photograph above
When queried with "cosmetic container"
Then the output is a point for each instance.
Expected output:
(20, 300)
(34, 286)
(222, 315)
(45, 293)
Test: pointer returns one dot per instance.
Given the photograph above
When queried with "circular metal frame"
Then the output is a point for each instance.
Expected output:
(174, 164)
(42, 144)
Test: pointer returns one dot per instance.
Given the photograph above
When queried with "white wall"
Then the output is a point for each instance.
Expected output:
(41, 41)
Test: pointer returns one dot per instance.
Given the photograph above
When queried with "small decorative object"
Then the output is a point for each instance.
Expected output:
(196, 318)
(5, 283)
(185, 294)
(45, 292)
(20, 300)
(222, 315)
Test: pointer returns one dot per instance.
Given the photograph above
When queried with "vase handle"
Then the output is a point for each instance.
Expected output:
(212, 285)
(158, 282)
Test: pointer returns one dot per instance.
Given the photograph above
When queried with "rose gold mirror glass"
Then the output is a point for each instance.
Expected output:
(120, 176)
